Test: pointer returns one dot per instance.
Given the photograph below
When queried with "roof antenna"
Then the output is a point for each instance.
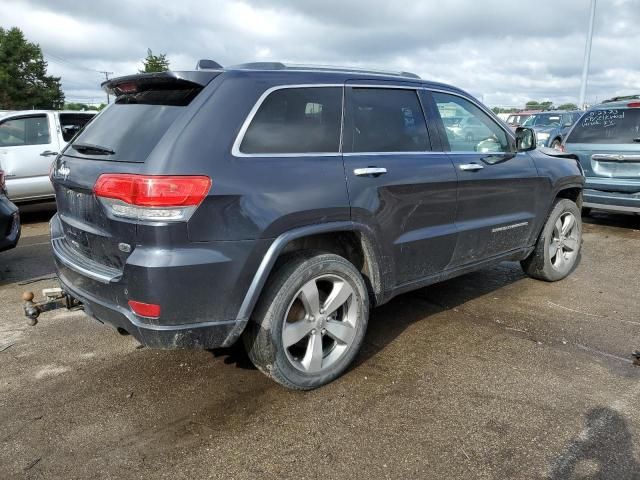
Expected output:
(205, 64)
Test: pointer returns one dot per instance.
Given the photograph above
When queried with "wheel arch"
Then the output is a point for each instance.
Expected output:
(346, 238)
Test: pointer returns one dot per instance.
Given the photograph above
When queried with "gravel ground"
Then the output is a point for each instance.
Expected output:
(491, 375)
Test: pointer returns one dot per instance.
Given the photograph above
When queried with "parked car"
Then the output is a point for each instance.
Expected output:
(278, 204)
(607, 141)
(517, 119)
(29, 140)
(9, 219)
(551, 126)
(470, 128)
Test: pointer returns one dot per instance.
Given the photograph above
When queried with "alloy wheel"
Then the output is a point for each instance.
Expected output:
(320, 323)
(564, 243)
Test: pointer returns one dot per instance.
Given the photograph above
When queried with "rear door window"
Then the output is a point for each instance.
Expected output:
(386, 120)
(296, 121)
(608, 126)
(33, 130)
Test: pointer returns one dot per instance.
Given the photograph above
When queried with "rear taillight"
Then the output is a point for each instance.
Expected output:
(633, 105)
(152, 197)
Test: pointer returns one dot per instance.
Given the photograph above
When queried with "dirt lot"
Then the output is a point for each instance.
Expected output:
(491, 375)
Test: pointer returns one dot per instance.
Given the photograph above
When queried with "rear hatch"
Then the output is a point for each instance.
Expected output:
(118, 141)
(608, 144)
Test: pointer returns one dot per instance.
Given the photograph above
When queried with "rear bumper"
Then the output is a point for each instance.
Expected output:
(9, 224)
(199, 287)
(190, 335)
(612, 201)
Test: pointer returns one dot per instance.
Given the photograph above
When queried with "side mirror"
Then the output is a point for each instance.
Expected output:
(525, 139)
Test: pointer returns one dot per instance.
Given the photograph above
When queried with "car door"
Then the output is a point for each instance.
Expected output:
(497, 187)
(28, 145)
(396, 183)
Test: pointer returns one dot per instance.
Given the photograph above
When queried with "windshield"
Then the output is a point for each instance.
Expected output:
(516, 119)
(543, 120)
(608, 126)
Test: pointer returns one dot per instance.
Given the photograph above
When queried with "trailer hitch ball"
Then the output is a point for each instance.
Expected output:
(30, 309)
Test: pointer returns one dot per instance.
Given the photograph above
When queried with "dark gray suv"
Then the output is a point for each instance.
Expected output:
(278, 203)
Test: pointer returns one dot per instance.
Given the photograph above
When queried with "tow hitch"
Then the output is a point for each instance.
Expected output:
(54, 298)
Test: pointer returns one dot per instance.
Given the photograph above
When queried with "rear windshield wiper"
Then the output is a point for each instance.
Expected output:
(90, 148)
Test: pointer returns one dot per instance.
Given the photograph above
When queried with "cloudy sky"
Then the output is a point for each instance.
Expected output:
(505, 52)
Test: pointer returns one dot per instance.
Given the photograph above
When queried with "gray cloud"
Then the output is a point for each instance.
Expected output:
(506, 52)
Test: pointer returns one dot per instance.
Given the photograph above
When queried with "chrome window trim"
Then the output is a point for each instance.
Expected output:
(235, 150)
(371, 154)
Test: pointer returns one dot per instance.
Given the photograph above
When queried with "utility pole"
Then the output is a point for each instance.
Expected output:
(106, 75)
(587, 56)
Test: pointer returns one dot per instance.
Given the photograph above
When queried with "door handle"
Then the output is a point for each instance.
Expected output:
(48, 153)
(370, 171)
(471, 167)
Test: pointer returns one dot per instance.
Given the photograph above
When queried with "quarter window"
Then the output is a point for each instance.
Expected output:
(475, 132)
(386, 120)
(25, 131)
(296, 120)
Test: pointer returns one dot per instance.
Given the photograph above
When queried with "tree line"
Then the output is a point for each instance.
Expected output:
(25, 84)
(535, 105)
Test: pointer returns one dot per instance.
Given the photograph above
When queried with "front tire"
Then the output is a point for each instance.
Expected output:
(557, 250)
(310, 321)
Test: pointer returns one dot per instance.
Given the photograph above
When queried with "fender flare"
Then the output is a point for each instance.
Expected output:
(278, 245)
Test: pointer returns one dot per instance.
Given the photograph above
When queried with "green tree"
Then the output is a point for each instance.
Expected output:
(24, 82)
(154, 63)
(568, 106)
(535, 105)
(80, 107)
(497, 110)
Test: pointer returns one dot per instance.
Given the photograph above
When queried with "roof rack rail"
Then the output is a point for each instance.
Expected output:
(320, 68)
(622, 98)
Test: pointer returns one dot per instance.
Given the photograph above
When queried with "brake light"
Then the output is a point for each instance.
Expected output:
(152, 197)
(633, 105)
(130, 87)
(150, 310)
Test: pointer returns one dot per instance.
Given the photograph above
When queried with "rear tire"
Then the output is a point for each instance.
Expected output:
(309, 322)
(557, 250)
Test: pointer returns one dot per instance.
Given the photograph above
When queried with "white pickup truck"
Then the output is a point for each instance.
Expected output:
(29, 142)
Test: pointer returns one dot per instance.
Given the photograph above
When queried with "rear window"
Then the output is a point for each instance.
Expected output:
(72, 123)
(543, 120)
(386, 120)
(296, 120)
(133, 125)
(607, 126)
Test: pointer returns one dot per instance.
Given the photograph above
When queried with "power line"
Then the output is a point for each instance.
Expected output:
(57, 59)
(106, 75)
